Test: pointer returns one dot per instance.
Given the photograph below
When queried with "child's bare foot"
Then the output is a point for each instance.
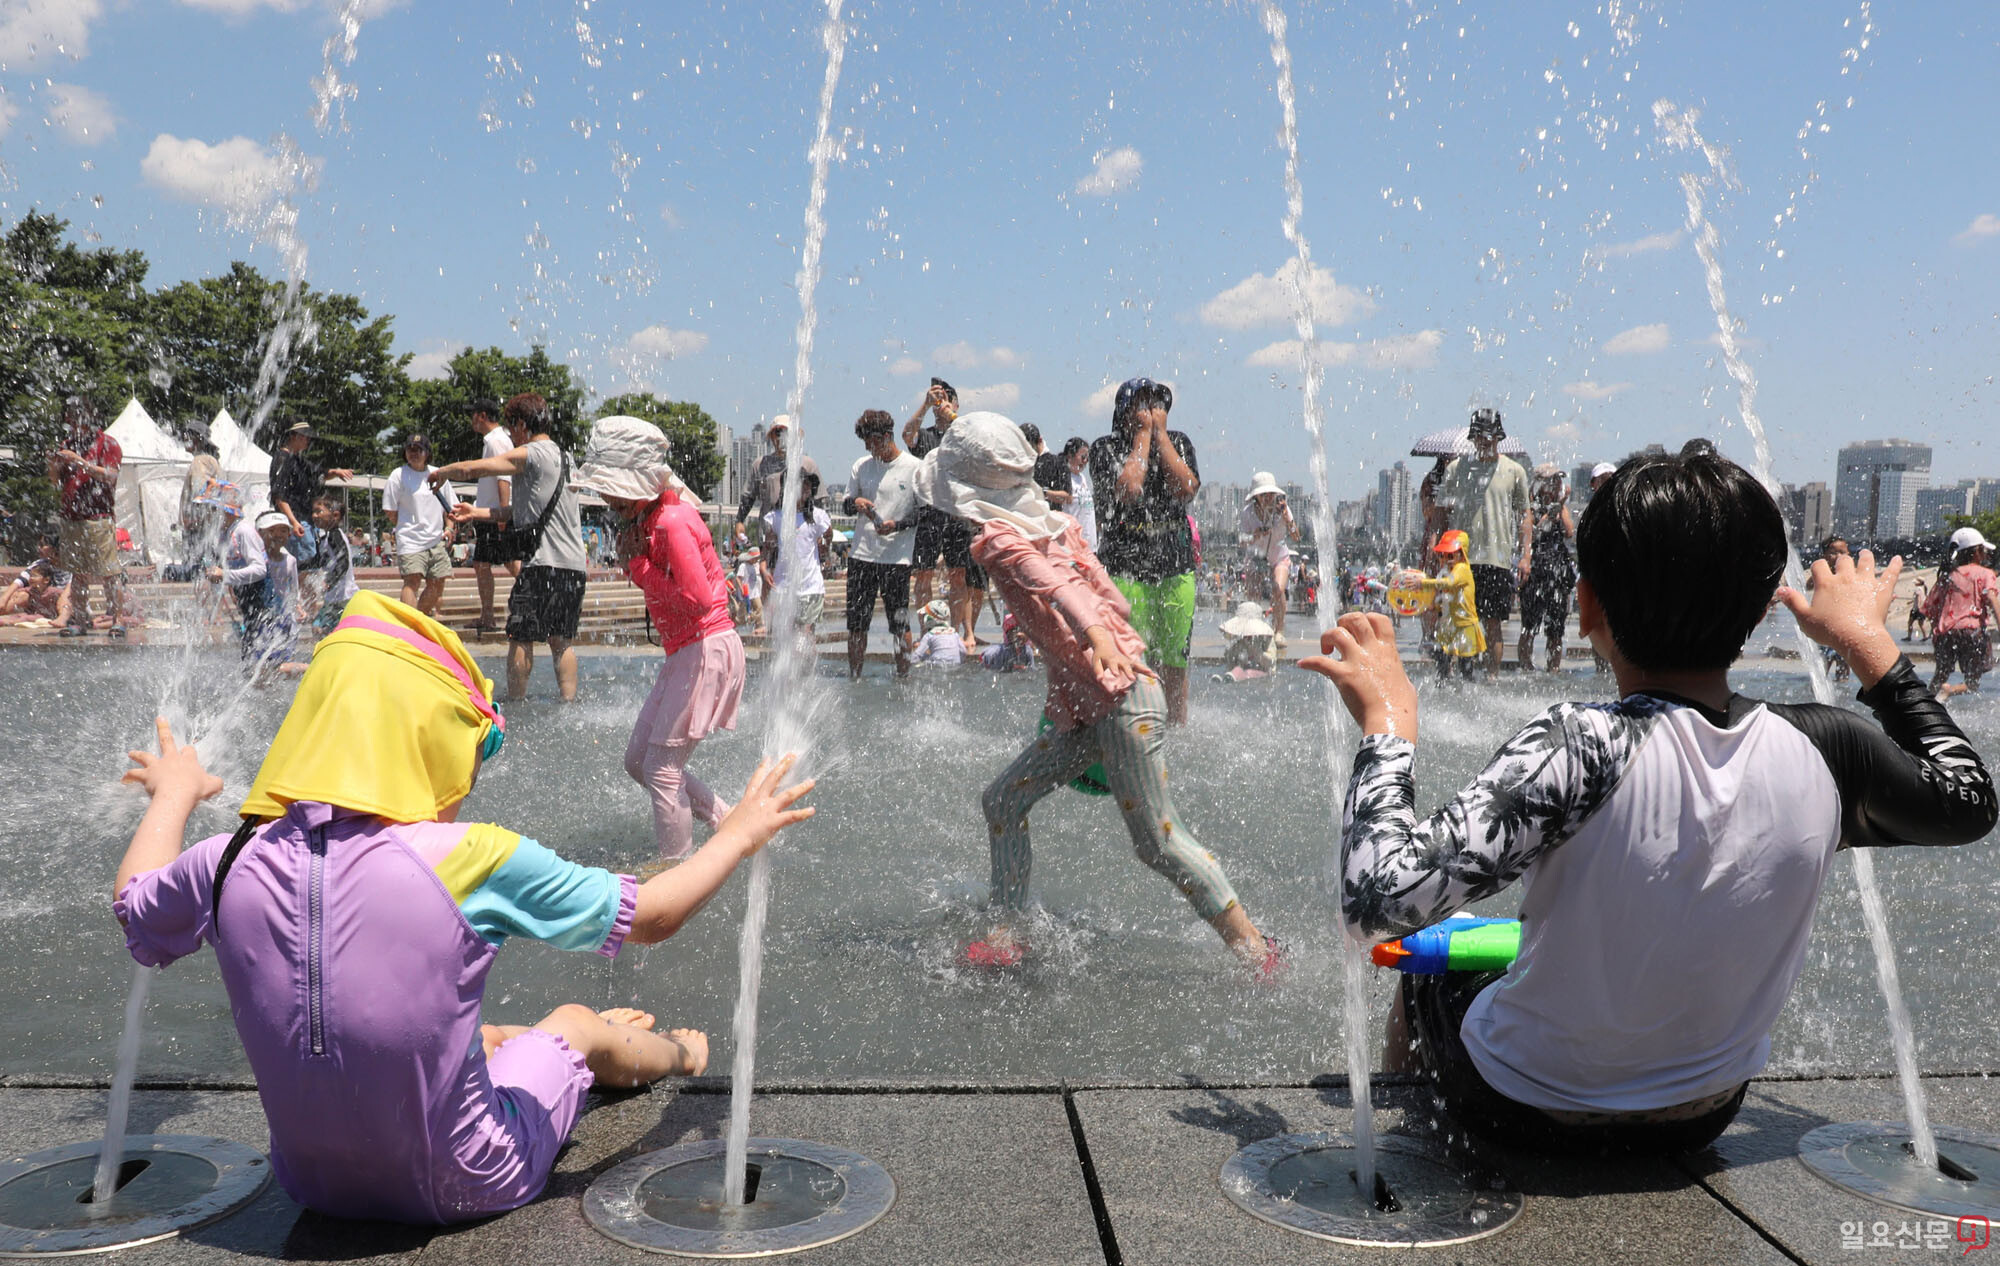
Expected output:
(631, 1016)
(693, 1046)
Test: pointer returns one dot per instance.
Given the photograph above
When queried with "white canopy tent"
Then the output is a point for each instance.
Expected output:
(243, 463)
(147, 498)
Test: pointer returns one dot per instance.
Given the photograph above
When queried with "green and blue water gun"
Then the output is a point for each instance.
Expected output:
(1460, 943)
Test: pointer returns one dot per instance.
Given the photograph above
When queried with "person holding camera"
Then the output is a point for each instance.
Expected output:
(941, 538)
(1143, 478)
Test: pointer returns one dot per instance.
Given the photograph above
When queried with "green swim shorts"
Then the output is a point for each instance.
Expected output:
(1163, 616)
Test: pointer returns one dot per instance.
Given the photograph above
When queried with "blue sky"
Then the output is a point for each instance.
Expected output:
(1033, 201)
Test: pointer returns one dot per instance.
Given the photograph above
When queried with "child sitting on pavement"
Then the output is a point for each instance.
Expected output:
(940, 643)
(361, 918)
(1671, 845)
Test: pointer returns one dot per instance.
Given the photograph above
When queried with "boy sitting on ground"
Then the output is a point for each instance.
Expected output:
(1671, 845)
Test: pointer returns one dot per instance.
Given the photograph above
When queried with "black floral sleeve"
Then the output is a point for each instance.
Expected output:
(1399, 874)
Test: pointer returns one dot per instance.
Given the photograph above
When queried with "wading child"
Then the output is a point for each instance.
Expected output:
(1671, 845)
(669, 555)
(1962, 609)
(354, 920)
(263, 578)
(1250, 654)
(940, 643)
(1460, 638)
(1104, 703)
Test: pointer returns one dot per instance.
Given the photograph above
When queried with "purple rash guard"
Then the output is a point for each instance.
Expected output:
(355, 954)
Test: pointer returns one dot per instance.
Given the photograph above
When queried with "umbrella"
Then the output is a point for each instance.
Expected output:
(1457, 442)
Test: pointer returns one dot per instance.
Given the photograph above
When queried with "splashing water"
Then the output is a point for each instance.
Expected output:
(112, 1154)
(1678, 128)
(1355, 973)
(791, 699)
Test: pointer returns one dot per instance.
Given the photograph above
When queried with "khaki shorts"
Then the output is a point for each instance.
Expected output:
(89, 548)
(432, 564)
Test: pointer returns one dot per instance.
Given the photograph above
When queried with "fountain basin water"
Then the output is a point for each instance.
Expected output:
(1308, 1183)
(801, 1195)
(168, 1183)
(1877, 1159)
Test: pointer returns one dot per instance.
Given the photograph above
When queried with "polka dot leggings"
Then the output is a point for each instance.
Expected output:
(1129, 742)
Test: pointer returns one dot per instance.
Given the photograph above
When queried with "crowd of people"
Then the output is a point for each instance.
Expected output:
(1651, 819)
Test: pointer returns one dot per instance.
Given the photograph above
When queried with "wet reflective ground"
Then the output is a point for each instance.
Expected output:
(873, 900)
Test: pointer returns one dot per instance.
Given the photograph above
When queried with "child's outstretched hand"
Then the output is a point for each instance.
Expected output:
(176, 773)
(766, 806)
(1369, 674)
(1849, 611)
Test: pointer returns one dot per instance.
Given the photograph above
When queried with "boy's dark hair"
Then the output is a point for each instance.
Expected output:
(1831, 541)
(1684, 553)
(1075, 445)
(527, 409)
(335, 504)
(874, 422)
(1032, 433)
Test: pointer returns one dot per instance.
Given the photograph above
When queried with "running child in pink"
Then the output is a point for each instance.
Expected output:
(354, 920)
(1104, 703)
(670, 556)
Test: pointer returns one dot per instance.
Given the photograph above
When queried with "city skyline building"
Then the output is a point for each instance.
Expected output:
(1876, 486)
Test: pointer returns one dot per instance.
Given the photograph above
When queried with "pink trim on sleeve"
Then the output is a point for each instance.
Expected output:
(621, 926)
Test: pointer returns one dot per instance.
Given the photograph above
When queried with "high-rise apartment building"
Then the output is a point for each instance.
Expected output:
(1876, 487)
(1396, 505)
(1808, 513)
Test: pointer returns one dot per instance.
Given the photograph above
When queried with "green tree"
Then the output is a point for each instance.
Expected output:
(344, 378)
(690, 434)
(438, 406)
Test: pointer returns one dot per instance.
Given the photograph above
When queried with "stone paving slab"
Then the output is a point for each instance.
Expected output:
(1157, 1155)
(945, 1152)
(1755, 1164)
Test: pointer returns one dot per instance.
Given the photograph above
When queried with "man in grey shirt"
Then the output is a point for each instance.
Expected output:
(547, 599)
(766, 489)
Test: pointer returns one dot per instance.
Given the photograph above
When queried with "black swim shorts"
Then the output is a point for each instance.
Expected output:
(546, 602)
(865, 580)
(1493, 591)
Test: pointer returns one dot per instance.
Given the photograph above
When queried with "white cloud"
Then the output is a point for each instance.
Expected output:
(84, 116)
(1267, 300)
(7, 112)
(244, 8)
(237, 175)
(665, 343)
(1397, 351)
(905, 365)
(1110, 172)
(435, 360)
(31, 30)
(1644, 246)
(1587, 390)
(1001, 395)
(964, 355)
(1983, 226)
(1640, 340)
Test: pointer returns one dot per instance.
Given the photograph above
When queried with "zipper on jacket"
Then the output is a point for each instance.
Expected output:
(315, 1017)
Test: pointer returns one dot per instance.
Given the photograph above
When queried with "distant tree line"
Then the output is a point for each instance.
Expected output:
(80, 320)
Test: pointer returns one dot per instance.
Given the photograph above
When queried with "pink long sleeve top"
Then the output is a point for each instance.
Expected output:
(680, 575)
(1057, 589)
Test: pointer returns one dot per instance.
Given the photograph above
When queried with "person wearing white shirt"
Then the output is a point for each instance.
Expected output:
(812, 527)
(263, 577)
(418, 513)
(493, 491)
(1082, 499)
(882, 497)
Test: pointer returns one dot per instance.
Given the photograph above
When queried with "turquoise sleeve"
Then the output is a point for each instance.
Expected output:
(542, 896)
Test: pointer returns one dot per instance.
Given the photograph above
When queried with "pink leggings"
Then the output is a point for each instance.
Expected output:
(678, 796)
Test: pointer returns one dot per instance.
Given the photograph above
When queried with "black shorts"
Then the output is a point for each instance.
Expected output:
(546, 603)
(1544, 602)
(1493, 591)
(864, 581)
(486, 546)
(1435, 1007)
(1963, 650)
(944, 538)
